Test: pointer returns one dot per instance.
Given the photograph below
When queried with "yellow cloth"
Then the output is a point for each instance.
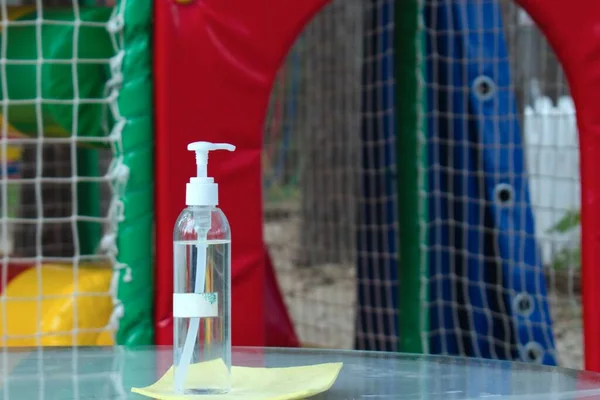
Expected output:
(250, 383)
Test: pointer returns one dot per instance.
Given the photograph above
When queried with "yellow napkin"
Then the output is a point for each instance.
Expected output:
(250, 383)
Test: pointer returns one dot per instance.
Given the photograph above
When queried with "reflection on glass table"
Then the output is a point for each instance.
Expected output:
(109, 373)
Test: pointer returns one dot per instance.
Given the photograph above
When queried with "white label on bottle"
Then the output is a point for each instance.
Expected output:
(195, 305)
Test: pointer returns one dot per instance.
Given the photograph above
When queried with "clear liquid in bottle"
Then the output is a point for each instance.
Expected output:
(201, 301)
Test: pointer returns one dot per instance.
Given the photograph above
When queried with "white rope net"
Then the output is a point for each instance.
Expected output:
(312, 173)
(314, 153)
(61, 171)
(310, 163)
(552, 155)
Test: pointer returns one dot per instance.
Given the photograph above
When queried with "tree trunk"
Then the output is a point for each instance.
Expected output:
(329, 132)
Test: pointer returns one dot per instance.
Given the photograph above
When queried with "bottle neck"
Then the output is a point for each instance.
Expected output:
(202, 216)
(201, 208)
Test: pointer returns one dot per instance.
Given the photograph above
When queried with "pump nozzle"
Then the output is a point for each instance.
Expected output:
(201, 190)
(202, 149)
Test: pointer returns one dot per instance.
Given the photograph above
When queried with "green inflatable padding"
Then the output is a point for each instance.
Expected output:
(135, 235)
(90, 48)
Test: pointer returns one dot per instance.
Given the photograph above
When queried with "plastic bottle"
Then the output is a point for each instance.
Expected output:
(202, 283)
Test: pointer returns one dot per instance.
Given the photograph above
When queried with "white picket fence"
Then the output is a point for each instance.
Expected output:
(552, 155)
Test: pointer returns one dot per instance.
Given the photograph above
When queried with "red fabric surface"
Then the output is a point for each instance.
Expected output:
(214, 65)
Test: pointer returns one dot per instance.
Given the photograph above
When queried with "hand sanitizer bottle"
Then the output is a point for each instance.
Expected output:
(202, 284)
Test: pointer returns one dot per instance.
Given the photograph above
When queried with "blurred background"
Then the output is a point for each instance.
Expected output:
(420, 178)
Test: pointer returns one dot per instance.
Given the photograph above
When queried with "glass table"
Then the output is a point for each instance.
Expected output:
(109, 373)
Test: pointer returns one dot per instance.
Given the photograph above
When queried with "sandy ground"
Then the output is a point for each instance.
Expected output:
(330, 290)
(568, 332)
(322, 300)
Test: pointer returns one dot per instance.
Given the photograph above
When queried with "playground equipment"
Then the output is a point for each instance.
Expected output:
(443, 254)
(73, 83)
(458, 324)
(62, 318)
(528, 335)
(490, 258)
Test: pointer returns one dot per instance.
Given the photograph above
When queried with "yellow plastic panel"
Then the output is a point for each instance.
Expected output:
(60, 305)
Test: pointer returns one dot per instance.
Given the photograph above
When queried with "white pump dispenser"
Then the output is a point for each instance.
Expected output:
(202, 282)
(202, 189)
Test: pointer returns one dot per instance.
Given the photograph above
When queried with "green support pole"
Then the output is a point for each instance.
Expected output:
(88, 200)
(412, 162)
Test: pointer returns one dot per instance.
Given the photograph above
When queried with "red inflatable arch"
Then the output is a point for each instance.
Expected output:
(215, 62)
(573, 30)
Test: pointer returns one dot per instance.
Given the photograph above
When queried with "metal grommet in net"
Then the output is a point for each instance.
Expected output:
(504, 194)
(532, 352)
(523, 304)
(484, 87)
